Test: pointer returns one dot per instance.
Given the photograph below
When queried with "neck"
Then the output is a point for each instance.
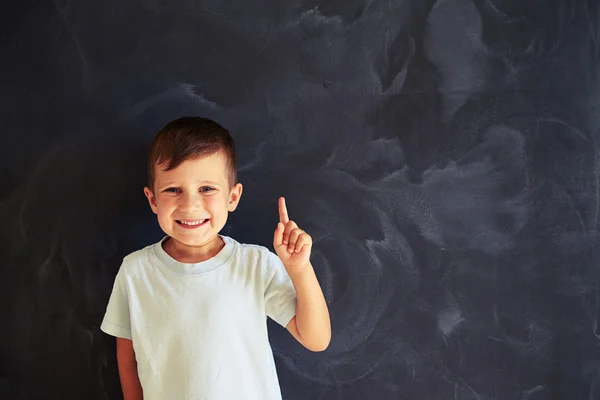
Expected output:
(192, 254)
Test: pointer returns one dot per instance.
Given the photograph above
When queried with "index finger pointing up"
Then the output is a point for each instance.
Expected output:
(283, 214)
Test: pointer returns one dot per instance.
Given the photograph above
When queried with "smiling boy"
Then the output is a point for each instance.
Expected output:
(189, 312)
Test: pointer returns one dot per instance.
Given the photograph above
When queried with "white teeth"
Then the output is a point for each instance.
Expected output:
(192, 223)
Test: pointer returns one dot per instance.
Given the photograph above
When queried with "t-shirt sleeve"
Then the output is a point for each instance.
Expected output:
(116, 320)
(280, 295)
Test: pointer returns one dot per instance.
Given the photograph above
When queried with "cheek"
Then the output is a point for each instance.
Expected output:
(216, 202)
(166, 204)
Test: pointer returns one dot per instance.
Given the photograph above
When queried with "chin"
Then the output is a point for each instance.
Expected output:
(195, 241)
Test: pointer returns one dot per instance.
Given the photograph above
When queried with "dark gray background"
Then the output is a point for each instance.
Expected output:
(443, 154)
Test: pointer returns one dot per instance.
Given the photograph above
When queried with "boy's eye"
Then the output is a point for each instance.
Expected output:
(171, 190)
(206, 189)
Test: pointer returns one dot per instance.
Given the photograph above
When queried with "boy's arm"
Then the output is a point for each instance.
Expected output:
(311, 325)
(130, 382)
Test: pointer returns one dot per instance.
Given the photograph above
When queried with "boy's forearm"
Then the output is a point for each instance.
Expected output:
(312, 315)
(130, 381)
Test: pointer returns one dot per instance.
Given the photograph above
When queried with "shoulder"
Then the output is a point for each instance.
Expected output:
(133, 261)
(258, 262)
(254, 253)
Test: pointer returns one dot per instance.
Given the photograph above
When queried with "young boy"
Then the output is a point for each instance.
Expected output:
(189, 312)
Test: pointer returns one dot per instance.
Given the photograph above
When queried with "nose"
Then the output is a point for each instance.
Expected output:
(190, 203)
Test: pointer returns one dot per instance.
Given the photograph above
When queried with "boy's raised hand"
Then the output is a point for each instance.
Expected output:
(291, 243)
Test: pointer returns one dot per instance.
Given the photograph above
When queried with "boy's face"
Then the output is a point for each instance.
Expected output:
(192, 201)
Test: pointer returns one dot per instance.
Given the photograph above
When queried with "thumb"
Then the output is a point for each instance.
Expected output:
(278, 236)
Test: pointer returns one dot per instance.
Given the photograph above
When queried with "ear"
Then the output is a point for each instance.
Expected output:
(234, 197)
(151, 199)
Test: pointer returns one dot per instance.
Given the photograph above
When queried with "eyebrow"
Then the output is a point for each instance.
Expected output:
(171, 183)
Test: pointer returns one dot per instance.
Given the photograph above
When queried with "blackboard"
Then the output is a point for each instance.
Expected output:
(443, 154)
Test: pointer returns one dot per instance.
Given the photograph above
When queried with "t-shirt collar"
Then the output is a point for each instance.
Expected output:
(199, 268)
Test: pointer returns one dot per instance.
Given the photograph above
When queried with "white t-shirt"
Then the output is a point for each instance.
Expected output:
(199, 331)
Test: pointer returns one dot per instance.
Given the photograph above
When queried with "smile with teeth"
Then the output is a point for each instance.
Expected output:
(192, 222)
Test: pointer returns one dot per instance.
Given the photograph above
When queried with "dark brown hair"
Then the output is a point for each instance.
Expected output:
(189, 138)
